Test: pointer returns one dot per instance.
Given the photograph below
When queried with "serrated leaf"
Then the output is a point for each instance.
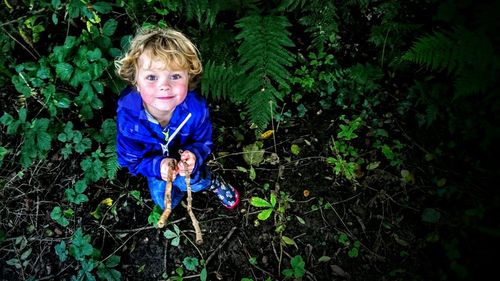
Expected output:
(259, 202)
(264, 215)
(64, 71)
(109, 27)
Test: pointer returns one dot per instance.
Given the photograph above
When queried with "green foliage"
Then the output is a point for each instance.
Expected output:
(298, 268)
(23, 252)
(466, 54)
(88, 257)
(346, 158)
(174, 235)
(61, 217)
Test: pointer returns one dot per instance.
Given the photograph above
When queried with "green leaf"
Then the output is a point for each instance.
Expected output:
(102, 7)
(264, 215)
(203, 274)
(287, 240)
(259, 202)
(190, 263)
(431, 215)
(295, 149)
(61, 251)
(56, 4)
(252, 174)
(169, 234)
(112, 261)
(80, 186)
(56, 213)
(253, 154)
(175, 242)
(94, 55)
(324, 259)
(298, 266)
(26, 254)
(109, 27)
(64, 71)
(273, 199)
(81, 198)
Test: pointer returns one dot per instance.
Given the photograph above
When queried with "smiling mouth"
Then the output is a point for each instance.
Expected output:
(166, 98)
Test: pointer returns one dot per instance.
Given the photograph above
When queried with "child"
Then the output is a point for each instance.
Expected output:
(160, 118)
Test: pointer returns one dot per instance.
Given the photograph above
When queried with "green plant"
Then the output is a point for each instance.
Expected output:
(346, 158)
(22, 252)
(61, 217)
(297, 269)
(353, 251)
(174, 235)
(88, 257)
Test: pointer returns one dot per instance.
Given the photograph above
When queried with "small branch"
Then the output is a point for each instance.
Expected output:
(221, 244)
(168, 195)
(196, 225)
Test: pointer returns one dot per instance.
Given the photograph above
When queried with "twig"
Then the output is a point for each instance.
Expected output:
(196, 225)
(168, 195)
(221, 244)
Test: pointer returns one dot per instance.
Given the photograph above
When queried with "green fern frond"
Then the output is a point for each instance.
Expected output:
(259, 106)
(468, 55)
(263, 64)
(321, 21)
(219, 81)
(436, 51)
(204, 11)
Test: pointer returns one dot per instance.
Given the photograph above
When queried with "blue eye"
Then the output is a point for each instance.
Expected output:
(175, 76)
(151, 77)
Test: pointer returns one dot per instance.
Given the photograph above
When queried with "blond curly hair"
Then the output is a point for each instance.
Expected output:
(164, 44)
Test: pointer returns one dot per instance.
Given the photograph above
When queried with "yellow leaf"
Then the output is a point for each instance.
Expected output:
(266, 134)
(306, 192)
(108, 202)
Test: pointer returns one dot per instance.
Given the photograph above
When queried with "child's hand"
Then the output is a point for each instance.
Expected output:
(189, 158)
(166, 165)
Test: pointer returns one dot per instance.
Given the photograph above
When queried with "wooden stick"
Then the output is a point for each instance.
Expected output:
(168, 195)
(196, 225)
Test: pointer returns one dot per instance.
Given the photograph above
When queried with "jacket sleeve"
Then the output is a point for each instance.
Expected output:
(133, 155)
(201, 141)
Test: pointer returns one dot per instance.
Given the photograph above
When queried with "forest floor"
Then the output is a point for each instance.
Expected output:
(369, 229)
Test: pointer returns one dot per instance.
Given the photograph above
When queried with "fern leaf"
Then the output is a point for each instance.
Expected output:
(264, 60)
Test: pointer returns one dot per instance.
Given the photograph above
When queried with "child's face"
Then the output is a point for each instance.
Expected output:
(161, 88)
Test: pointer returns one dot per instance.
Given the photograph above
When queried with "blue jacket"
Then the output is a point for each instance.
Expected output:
(141, 142)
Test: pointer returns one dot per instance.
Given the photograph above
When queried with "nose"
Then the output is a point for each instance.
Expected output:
(165, 85)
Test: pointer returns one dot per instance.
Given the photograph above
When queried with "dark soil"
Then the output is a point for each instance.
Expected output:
(380, 210)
